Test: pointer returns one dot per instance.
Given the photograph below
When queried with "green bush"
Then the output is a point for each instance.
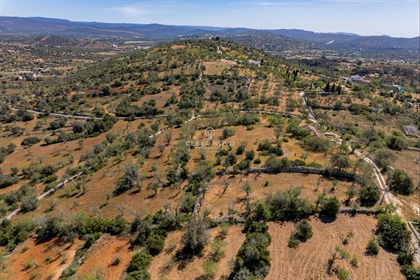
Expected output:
(411, 272)
(90, 239)
(343, 274)
(242, 165)
(293, 242)
(372, 248)
(139, 261)
(286, 205)
(29, 203)
(7, 180)
(138, 275)
(315, 165)
(29, 141)
(330, 206)
(253, 254)
(155, 244)
(303, 230)
(396, 143)
(210, 268)
(369, 194)
(400, 182)
(317, 144)
(392, 232)
(50, 179)
(187, 203)
(404, 258)
(261, 212)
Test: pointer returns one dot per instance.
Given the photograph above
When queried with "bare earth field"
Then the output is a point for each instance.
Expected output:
(193, 269)
(40, 261)
(218, 202)
(100, 258)
(309, 259)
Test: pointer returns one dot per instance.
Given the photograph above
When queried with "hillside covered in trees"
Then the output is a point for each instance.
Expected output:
(208, 159)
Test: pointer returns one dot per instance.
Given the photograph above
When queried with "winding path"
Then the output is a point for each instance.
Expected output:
(387, 194)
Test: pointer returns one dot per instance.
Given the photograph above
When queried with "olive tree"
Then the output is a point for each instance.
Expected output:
(196, 235)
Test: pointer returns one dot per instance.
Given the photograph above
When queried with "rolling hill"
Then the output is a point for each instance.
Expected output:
(266, 39)
(175, 161)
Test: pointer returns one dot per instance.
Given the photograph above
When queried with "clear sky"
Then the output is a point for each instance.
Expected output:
(397, 18)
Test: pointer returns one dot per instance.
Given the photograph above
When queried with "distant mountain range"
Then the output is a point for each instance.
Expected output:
(279, 39)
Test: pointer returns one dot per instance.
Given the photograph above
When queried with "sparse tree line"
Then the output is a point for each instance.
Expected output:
(90, 128)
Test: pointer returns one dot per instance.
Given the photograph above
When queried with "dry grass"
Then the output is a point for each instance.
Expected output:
(218, 202)
(161, 265)
(309, 259)
(45, 259)
(217, 67)
(102, 255)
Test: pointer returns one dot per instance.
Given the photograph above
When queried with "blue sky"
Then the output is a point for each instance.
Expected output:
(398, 18)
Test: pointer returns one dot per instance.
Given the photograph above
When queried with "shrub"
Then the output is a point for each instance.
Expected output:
(30, 141)
(224, 227)
(396, 143)
(303, 230)
(343, 274)
(210, 267)
(58, 123)
(139, 261)
(217, 252)
(29, 203)
(50, 179)
(392, 232)
(230, 160)
(330, 207)
(400, 182)
(314, 165)
(286, 205)
(253, 259)
(242, 165)
(384, 157)
(296, 131)
(369, 194)
(138, 275)
(155, 244)
(317, 144)
(6, 180)
(293, 242)
(354, 262)
(90, 239)
(372, 248)
(404, 258)
(241, 149)
(196, 235)
(228, 132)
(250, 155)
(261, 212)
(411, 272)
(187, 203)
